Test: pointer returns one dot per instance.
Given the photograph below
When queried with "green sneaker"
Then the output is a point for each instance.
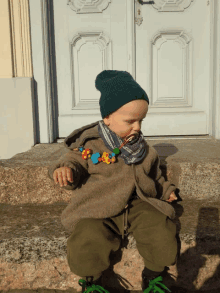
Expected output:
(153, 286)
(92, 286)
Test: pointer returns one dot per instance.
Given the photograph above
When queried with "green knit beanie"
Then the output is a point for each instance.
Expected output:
(117, 89)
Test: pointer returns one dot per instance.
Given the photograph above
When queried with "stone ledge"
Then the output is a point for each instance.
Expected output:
(187, 150)
(193, 166)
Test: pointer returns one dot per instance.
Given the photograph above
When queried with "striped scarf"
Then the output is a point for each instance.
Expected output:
(132, 152)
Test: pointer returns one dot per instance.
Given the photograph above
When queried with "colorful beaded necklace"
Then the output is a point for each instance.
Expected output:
(106, 158)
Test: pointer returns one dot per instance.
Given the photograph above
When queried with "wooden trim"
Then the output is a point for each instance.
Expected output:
(131, 38)
(44, 70)
(21, 42)
(46, 23)
(215, 69)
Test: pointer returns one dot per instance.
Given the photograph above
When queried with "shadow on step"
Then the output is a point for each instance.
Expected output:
(201, 220)
(204, 254)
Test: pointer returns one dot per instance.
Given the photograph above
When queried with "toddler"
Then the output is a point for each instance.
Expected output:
(117, 188)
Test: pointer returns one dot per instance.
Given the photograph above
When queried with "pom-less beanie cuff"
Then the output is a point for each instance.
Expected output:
(117, 89)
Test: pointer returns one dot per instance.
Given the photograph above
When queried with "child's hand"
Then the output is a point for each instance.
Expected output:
(61, 175)
(172, 197)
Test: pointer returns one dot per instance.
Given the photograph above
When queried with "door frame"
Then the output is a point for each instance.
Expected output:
(44, 65)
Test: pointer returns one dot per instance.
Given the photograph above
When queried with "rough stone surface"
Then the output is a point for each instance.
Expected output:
(55, 273)
(193, 166)
(33, 240)
(33, 249)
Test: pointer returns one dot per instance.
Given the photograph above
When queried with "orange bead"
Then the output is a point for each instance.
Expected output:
(86, 154)
(113, 160)
(88, 151)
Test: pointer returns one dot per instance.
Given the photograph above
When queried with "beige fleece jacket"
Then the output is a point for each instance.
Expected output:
(103, 190)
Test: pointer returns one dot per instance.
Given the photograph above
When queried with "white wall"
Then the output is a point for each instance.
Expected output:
(16, 116)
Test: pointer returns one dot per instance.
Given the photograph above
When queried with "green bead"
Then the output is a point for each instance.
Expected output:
(116, 151)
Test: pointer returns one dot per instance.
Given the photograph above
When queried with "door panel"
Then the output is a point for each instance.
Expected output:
(90, 36)
(173, 65)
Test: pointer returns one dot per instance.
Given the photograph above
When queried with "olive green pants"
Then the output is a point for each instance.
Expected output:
(90, 244)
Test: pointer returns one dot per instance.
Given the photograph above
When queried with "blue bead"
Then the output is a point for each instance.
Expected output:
(95, 157)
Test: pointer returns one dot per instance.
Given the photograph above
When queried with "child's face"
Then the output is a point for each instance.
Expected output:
(127, 119)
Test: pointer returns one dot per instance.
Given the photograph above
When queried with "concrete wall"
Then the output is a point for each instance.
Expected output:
(16, 116)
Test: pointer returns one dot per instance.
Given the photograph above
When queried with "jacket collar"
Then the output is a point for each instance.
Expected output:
(79, 136)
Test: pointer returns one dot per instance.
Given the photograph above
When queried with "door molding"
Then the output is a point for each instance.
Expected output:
(44, 68)
(80, 38)
(131, 38)
(46, 23)
(82, 7)
(215, 70)
(44, 72)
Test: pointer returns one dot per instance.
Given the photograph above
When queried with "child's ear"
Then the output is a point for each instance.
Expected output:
(106, 120)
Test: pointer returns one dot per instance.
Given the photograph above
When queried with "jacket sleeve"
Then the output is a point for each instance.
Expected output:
(164, 188)
(79, 167)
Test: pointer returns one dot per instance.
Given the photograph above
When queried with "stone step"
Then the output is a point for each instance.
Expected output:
(192, 165)
(33, 240)
(74, 291)
(33, 248)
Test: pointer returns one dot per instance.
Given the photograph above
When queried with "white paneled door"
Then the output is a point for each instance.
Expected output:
(173, 65)
(90, 36)
(172, 60)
